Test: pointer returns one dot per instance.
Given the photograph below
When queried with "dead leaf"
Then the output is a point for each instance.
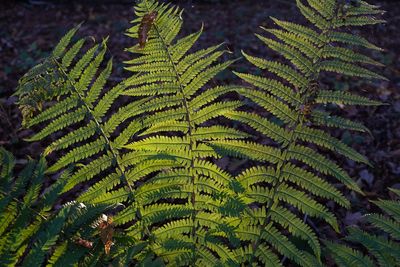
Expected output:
(106, 228)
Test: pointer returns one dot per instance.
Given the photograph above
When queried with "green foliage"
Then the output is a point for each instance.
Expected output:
(189, 205)
(298, 175)
(155, 157)
(75, 78)
(168, 182)
(33, 230)
(383, 249)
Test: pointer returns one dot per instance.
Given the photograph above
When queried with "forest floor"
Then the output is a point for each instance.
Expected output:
(28, 32)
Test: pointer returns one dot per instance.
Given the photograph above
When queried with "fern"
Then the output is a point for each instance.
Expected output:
(173, 144)
(32, 231)
(81, 103)
(162, 168)
(287, 192)
(155, 156)
(383, 249)
(73, 77)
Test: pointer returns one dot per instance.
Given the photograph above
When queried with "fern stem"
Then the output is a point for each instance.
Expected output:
(99, 128)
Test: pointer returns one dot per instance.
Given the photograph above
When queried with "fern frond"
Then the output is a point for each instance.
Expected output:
(383, 250)
(305, 204)
(347, 55)
(273, 87)
(284, 71)
(322, 164)
(262, 125)
(282, 244)
(358, 21)
(295, 175)
(292, 39)
(173, 128)
(346, 256)
(390, 207)
(301, 31)
(82, 87)
(301, 62)
(313, 15)
(179, 207)
(30, 232)
(217, 133)
(272, 104)
(388, 225)
(295, 226)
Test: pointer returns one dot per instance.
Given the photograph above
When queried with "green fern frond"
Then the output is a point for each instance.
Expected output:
(30, 232)
(291, 96)
(314, 184)
(346, 256)
(347, 55)
(262, 125)
(390, 207)
(282, 244)
(283, 71)
(296, 227)
(81, 86)
(383, 250)
(173, 127)
(388, 225)
(245, 149)
(7, 161)
(302, 31)
(322, 164)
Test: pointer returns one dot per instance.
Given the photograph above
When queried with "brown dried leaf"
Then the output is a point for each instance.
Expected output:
(106, 233)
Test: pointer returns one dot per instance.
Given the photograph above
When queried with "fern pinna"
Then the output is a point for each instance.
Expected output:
(288, 189)
(383, 249)
(32, 231)
(190, 205)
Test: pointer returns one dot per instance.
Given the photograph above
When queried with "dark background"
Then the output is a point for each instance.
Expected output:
(29, 29)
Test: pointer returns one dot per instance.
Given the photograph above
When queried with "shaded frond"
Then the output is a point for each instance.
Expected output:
(298, 172)
(383, 250)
